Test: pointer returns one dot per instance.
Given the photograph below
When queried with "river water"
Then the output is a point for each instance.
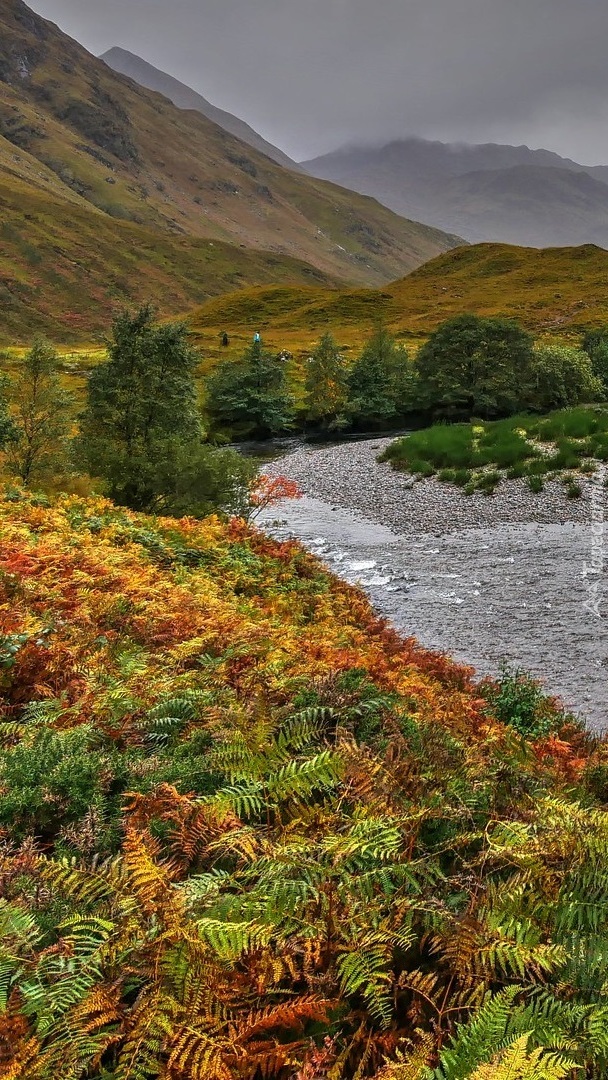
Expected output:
(507, 593)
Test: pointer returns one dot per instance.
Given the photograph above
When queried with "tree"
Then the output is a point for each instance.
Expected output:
(200, 479)
(41, 411)
(473, 366)
(141, 430)
(380, 383)
(326, 386)
(7, 427)
(249, 397)
(595, 344)
(561, 377)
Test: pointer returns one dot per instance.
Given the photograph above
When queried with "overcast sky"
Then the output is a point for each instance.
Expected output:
(311, 75)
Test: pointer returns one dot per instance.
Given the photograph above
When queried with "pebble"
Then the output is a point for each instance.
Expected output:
(349, 475)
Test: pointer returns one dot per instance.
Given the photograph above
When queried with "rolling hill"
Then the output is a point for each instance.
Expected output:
(77, 138)
(553, 291)
(145, 74)
(485, 193)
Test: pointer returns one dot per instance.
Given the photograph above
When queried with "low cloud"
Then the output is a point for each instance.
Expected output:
(313, 75)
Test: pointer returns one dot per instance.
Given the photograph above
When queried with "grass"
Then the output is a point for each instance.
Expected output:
(89, 265)
(478, 456)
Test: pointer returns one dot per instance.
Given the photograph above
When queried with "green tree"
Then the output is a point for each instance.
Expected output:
(473, 366)
(595, 344)
(326, 386)
(560, 377)
(7, 427)
(141, 430)
(250, 397)
(41, 411)
(380, 383)
(200, 479)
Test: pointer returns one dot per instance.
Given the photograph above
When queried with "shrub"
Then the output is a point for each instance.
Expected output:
(519, 701)
(560, 377)
(536, 484)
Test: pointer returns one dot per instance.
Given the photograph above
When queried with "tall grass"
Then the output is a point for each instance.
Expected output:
(477, 455)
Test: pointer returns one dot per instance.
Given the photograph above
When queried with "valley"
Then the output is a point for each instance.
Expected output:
(303, 503)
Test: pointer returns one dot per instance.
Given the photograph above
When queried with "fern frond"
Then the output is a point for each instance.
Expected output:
(520, 1063)
(231, 941)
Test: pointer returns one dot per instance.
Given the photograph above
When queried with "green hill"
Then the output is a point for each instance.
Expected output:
(556, 291)
(64, 268)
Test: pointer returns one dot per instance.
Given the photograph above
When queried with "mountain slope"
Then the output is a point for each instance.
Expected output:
(74, 128)
(145, 74)
(64, 268)
(489, 192)
(553, 291)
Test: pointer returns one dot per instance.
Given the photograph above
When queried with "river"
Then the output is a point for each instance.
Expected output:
(502, 593)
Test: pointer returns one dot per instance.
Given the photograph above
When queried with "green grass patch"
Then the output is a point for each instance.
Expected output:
(477, 456)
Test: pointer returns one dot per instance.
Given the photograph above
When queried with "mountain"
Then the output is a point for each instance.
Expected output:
(557, 291)
(488, 192)
(143, 73)
(76, 136)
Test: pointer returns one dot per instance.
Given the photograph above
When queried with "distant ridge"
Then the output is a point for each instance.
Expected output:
(490, 192)
(145, 74)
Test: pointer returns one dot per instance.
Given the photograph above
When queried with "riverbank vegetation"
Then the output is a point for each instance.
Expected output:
(478, 456)
(249, 831)
(140, 437)
(470, 367)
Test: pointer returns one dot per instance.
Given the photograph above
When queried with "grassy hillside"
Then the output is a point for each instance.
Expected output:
(86, 137)
(556, 291)
(64, 267)
(250, 831)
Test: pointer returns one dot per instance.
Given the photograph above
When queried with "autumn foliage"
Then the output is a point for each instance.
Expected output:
(249, 832)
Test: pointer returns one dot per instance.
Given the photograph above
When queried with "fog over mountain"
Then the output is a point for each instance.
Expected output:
(487, 192)
(312, 76)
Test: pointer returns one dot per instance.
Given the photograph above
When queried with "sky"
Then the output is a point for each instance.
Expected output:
(312, 75)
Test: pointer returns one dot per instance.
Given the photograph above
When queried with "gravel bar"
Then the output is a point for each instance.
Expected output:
(348, 475)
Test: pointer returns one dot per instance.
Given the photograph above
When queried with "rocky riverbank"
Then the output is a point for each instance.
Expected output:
(508, 578)
(348, 475)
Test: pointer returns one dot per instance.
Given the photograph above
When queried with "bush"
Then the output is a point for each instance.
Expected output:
(536, 484)
(595, 344)
(518, 700)
(561, 377)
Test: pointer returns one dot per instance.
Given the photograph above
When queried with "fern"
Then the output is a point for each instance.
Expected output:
(231, 941)
(366, 971)
(519, 1063)
(475, 1043)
